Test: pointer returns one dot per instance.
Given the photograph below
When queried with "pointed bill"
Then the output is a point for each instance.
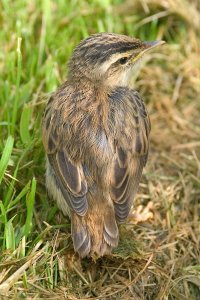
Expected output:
(150, 45)
(146, 46)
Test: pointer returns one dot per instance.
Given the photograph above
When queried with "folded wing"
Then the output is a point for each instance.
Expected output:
(68, 174)
(131, 144)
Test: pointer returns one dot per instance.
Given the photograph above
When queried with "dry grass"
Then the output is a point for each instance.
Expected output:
(159, 255)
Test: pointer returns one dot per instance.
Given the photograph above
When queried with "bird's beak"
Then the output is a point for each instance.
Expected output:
(149, 45)
(146, 46)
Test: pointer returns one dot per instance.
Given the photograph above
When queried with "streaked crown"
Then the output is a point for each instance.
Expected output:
(107, 56)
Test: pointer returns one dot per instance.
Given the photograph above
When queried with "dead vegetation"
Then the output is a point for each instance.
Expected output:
(159, 253)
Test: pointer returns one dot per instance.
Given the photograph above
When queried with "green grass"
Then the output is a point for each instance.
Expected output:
(37, 39)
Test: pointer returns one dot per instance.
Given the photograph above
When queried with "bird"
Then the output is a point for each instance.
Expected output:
(95, 132)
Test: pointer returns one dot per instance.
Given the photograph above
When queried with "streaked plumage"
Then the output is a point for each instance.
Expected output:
(95, 134)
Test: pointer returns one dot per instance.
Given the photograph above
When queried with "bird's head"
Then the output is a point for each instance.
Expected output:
(108, 58)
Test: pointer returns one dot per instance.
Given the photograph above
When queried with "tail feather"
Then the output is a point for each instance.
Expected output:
(95, 233)
(110, 232)
(80, 236)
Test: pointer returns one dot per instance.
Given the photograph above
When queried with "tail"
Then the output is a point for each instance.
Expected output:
(96, 233)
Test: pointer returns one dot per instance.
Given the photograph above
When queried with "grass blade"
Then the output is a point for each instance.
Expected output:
(30, 205)
(6, 156)
(10, 235)
(18, 78)
(24, 124)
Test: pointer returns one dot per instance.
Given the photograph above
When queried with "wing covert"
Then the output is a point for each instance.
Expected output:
(68, 174)
(131, 152)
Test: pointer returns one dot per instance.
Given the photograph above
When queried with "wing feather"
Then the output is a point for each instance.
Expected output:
(131, 151)
(69, 175)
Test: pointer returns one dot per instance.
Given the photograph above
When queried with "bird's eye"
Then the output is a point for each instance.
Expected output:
(123, 60)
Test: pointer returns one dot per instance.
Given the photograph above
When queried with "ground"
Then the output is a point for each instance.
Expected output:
(159, 252)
